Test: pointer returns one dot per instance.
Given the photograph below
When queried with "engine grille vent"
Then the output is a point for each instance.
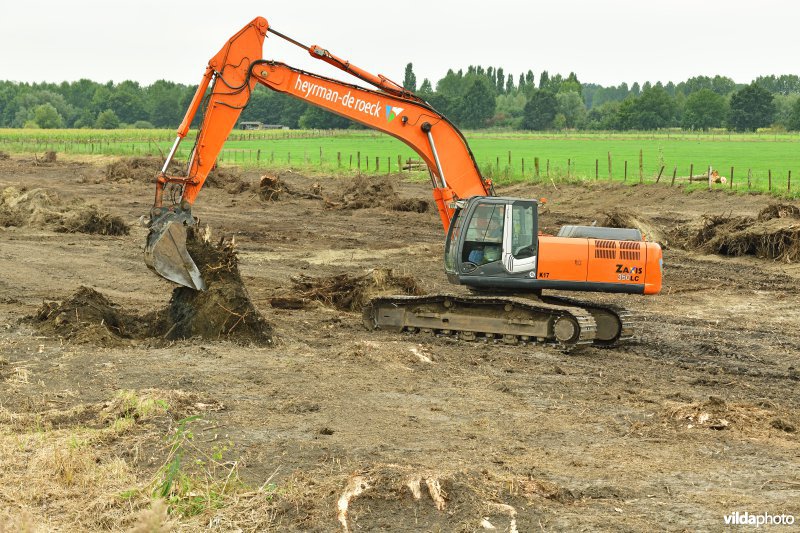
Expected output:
(605, 250)
(630, 250)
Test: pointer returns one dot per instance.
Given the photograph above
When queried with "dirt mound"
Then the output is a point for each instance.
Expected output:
(364, 192)
(717, 414)
(145, 169)
(4, 156)
(89, 219)
(86, 316)
(351, 293)
(773, 234)
(40, 208)
(223, 310)
(625, 218)
(138, 168)
(273, 187)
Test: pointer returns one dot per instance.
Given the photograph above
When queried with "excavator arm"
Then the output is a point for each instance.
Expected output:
(232, 74)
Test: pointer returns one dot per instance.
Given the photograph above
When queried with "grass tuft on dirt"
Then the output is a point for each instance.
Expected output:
(773, 234)
(352, 293)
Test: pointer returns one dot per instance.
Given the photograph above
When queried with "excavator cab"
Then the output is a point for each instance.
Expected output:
(492, 238)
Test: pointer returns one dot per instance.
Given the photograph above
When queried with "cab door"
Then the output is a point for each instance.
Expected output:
(520, 237)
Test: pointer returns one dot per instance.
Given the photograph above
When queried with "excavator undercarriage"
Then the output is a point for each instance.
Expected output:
(562, 322)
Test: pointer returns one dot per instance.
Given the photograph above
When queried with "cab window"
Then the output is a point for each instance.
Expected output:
(484, 239)
(524, 230)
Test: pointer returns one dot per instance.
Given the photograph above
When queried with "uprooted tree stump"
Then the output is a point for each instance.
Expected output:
(774, 234)
(364, 192)
(273, 187)
(222, 312)
(352, 293)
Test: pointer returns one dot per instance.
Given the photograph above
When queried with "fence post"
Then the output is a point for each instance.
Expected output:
(625, 178)
(320, 156)
(509, 158)
(749, 177)
(596, 169)
(731, 184)
(339, 159)
(548, 169)
(377, 163)
(498, 165)
(399, 164)
(569, 164)
(610, 177)
(770, 180)
(358, 157)
(366, 160)
(709, 177)
(674, 173)
(789, 182)
(641, 167)
(351, 161)
(691, 173)
(289, 158)
(388, 165)
(523, 167)
(536, 167)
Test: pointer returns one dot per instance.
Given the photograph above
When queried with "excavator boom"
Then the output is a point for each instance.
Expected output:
(232, 74)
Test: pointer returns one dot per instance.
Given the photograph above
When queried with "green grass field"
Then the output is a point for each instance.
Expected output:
(501, 155)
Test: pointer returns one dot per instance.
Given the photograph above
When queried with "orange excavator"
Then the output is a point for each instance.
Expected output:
(493, 245)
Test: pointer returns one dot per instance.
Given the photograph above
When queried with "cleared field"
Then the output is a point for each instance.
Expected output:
(507, 156)
(335, 428)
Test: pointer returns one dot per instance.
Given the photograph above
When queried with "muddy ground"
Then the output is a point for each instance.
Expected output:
(694, 419)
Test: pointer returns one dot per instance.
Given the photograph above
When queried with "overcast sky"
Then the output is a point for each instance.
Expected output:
(603, 41)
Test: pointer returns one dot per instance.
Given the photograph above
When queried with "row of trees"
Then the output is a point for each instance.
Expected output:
(478, 98)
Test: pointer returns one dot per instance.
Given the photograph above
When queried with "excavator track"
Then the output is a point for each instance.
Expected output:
(510, 320)
(614, 323)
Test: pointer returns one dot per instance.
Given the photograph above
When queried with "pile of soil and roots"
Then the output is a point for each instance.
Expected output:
(625, 218)
(87, 316)
(364, 192)
(773, 234)
(4, 156)
(145, 169)
(224, 309)
(352, 293)
(42, 209)
(222, 312)
(273, 187)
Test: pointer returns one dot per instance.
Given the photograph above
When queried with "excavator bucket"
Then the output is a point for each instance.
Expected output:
(166, 253)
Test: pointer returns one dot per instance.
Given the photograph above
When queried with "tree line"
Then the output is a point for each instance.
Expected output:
(478, 98)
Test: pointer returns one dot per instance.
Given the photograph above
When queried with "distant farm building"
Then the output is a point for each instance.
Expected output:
(261, 126)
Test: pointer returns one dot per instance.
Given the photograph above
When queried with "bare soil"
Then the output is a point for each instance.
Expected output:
(331, 427)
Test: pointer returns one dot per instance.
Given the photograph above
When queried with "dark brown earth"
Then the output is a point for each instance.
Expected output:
(694, 419)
